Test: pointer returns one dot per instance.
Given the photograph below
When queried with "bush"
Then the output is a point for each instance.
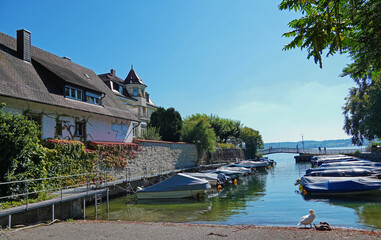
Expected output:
(21, 154)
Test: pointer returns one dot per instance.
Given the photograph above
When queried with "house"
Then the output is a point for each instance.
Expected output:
(69, 101)
(132, 92)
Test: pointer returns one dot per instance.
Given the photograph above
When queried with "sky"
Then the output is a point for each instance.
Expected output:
(219, 57)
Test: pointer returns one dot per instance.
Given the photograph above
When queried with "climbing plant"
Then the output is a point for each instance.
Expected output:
(116, 155)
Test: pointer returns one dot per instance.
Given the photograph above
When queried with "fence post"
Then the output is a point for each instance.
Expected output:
(61, 189)
(9, 221)
(27, 192)
(84, 208)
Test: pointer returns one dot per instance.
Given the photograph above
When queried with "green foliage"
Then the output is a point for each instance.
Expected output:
(226, 146)
(65, 157)
(151, 133)
(21, 154)
(253, 141)
(168, 122)
(200, 133)
(346, 26)
(226, 130)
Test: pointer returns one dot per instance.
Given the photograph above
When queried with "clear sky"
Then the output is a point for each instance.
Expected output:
(219, 57)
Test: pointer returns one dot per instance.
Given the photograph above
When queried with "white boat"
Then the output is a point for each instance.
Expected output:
(177, 186)
(242, 170)
(255, 164)
(213, 178)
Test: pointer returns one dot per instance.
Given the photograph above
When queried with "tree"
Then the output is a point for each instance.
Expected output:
(200, 133)
(168, 122)
(352, 27)
(225, 129)
(253, 141)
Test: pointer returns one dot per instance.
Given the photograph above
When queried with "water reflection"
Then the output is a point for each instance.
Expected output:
(268, 198)
(367, 207)
(218, 207)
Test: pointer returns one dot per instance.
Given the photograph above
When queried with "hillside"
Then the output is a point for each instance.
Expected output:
(314, 144)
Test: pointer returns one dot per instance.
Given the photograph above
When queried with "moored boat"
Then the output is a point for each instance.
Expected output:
(340, 185)
(213, 178)
(177, 186)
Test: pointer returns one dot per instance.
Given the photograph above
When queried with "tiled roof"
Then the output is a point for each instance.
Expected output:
(133, 78)
(43, 80)
(107, 77)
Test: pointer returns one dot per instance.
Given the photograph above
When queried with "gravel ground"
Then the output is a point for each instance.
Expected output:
(93, 230)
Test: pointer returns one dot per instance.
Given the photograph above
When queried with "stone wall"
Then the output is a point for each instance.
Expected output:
(222, 156)
(159, 156)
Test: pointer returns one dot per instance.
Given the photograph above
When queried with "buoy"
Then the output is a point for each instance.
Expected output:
(219, 187)
(300, 188)
(235, 181)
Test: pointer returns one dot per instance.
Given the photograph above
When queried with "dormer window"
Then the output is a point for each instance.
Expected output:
(93, 98)
(120, 89)
(73, 93)
(78, 94)
(135, 91)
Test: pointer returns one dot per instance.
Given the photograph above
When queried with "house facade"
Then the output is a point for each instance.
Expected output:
(132, 92)
(67, 100)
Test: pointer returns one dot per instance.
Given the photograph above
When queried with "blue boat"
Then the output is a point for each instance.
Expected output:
(340, 185)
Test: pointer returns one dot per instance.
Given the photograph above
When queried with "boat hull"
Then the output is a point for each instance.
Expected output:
(171, 194)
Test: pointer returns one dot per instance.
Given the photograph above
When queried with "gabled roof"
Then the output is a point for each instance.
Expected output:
(43, 80)
(133, 78)
(111, 77)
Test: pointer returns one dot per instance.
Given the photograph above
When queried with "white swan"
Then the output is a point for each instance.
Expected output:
(308, 219)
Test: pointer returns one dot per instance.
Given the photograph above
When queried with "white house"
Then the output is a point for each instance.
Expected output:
(69, 101)
(132, 92)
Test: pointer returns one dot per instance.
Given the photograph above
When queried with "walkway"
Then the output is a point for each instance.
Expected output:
(310, 151)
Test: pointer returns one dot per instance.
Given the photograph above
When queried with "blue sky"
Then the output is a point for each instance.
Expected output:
(219, 57)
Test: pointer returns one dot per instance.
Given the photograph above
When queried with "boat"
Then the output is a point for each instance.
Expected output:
(316, 161)
(177, 186)
(242, 170)
(352, 163)
(343, 172)
(339, 185)
(255, 164)
(228, 172)
(213, 178)
(370, 168)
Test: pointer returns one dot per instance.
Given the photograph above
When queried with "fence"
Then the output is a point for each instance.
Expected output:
(311, 151)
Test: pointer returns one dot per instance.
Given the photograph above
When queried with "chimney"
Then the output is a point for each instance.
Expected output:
(24, 45)
(112, 71)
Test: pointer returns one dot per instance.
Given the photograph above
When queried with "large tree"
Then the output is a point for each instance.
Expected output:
(352, 27)
(200, 133)
(253, 141)
(225, 129)
(168, 122)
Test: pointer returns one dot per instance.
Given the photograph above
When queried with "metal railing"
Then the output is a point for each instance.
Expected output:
(25, 190)
(311, 151)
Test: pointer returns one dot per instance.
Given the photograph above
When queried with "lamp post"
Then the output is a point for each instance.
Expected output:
(303, 142)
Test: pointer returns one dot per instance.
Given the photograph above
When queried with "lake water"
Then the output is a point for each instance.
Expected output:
(268, 198)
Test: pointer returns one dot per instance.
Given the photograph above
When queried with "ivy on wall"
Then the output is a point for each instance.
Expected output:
(116, 155)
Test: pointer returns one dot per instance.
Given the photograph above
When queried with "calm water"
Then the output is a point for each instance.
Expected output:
(265, 199)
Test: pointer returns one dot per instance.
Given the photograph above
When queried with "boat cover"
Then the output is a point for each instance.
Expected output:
(255, 163)
(352, 163)
(324, 185)
(370, 168)
(352, 172)
(179, 182)
(207, 176)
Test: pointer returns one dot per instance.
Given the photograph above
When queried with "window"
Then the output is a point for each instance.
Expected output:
(120, 89)
(135, 91)
(80, 129)
(93, 98)
(59, 128)
(73, 93)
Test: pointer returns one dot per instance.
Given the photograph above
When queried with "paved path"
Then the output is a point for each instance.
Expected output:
(94, 230)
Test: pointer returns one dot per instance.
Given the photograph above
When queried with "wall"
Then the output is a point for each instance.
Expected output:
(159, 156)
(222, 156)
(99, 127)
